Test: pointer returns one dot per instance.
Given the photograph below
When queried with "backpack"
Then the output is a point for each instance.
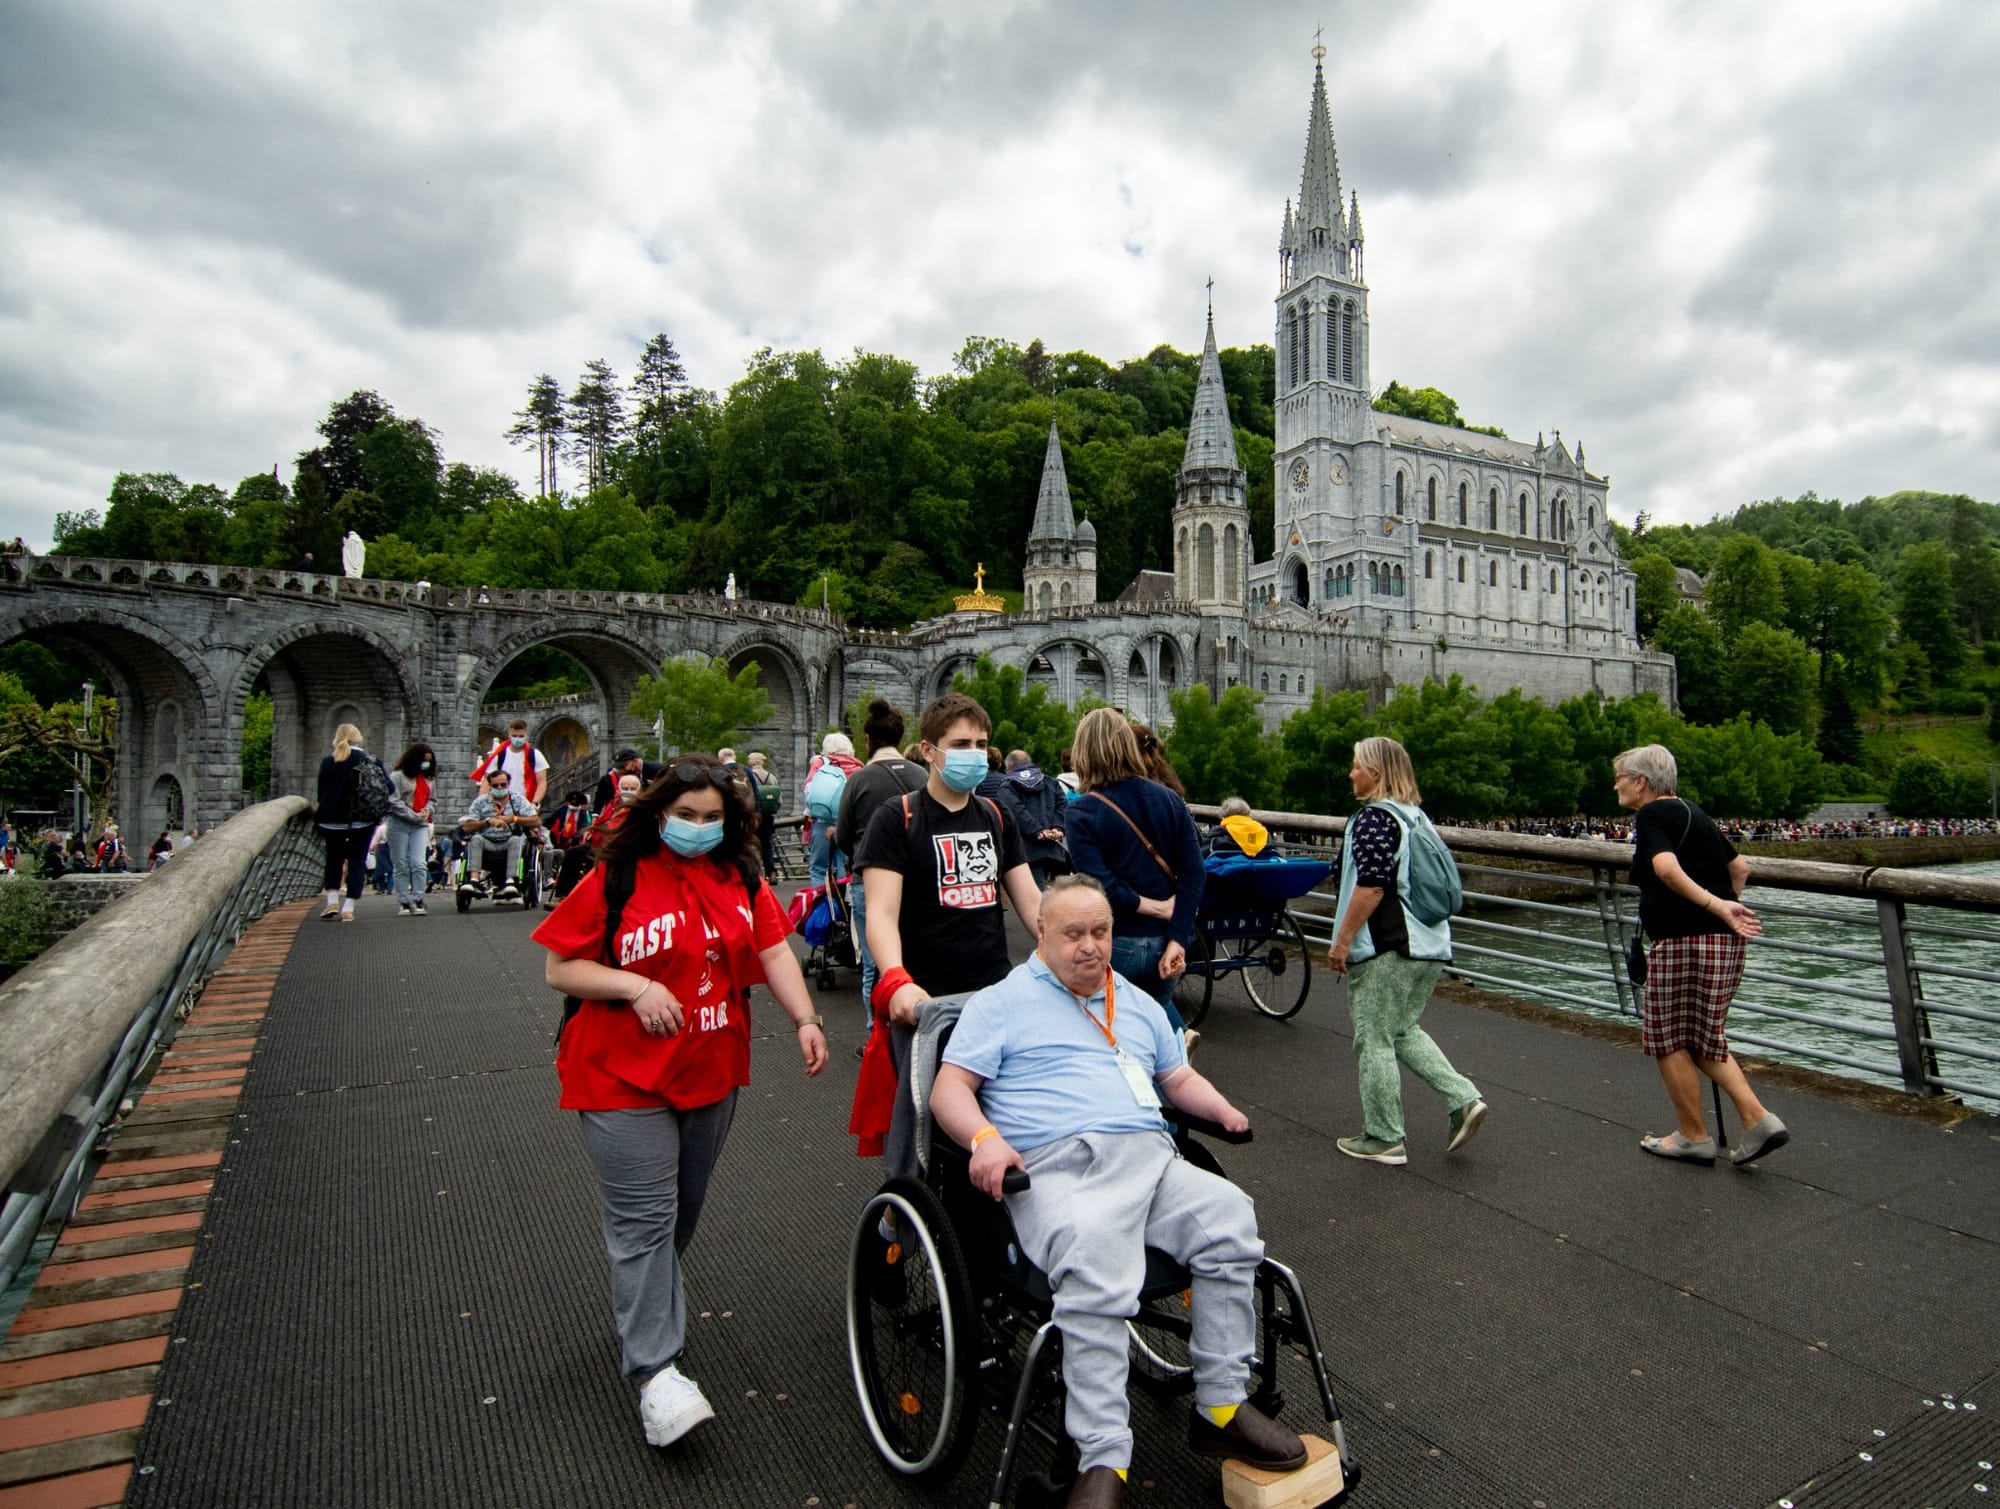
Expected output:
(1435, 894)
(823, 791)
(373, 795)
(620, 880)
(768, 795)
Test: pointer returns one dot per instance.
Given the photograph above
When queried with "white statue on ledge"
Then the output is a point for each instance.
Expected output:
(353, 551)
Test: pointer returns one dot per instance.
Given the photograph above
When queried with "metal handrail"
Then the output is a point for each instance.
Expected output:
(1600, 868)
(79, 1022)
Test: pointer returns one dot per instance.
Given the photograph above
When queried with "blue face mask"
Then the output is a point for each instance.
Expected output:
(690, 840)
(964, 769)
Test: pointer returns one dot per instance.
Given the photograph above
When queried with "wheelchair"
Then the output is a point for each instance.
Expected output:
(470, 880)
(950, 1318)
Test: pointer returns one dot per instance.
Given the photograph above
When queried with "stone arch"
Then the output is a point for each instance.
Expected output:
(786, 682)
(1071, 668)
(612, 660)
(937, 681)
(1299, 582)
(166, 809)
(323, 672)
(147, 668)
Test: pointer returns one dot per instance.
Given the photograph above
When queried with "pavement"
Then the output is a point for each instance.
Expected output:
(398, 1293)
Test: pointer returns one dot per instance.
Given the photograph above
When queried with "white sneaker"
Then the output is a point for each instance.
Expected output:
(671, 1405)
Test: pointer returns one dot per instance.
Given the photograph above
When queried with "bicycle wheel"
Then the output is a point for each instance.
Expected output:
(911, 1335)
(1196, 985)
(1278, 980)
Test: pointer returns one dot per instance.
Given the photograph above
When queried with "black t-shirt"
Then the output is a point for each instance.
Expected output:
(954, 933)
(1670, 825)
(867, 789)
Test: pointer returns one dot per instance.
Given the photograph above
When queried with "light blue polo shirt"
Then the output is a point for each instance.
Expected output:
(1049, 1072)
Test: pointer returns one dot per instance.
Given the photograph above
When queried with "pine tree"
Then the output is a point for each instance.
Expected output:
(596, 419)
(659, 390)
(542, 424)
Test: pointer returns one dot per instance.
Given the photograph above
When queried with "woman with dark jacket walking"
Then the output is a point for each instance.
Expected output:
(345, 834)
(1135, 837)
(409, 823)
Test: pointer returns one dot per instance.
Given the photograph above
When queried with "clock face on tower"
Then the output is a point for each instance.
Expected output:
(1301, 474)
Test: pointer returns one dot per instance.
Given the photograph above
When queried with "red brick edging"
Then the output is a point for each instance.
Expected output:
(78, 1370)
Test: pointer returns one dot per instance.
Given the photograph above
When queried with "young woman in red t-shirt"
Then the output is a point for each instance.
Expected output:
(661, 1044)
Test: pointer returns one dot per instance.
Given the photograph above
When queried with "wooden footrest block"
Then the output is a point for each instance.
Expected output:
(1318, 1482)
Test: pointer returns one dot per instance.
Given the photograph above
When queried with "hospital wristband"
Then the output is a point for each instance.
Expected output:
(982, 1134)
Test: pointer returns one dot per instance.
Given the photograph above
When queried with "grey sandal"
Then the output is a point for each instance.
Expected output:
(1677, 1147)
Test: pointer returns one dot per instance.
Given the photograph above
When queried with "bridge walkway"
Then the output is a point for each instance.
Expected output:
(397, 1295)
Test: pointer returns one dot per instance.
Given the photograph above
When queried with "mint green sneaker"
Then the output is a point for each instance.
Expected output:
(1373, 1150)
(1465, 1121)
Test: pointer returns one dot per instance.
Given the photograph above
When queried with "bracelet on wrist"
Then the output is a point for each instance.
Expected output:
(982, 1134)
(810, 1019)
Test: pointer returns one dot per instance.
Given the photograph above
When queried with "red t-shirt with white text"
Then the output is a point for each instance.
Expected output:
(608, 1061)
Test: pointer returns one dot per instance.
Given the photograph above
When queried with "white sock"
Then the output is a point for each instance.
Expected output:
(333, 898)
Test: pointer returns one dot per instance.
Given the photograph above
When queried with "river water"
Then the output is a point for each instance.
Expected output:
(1827, 926)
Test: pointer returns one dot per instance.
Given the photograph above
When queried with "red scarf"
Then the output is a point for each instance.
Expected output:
(530, 782)
(875, 1091)
(420, 798)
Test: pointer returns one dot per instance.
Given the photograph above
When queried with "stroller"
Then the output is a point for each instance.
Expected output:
(820, 915)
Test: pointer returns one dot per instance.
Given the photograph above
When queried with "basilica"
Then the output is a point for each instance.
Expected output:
(1403, 549)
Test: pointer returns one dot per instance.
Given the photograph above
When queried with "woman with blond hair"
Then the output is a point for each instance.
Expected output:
(1392, 960)
(346, 835)
(1135, 838)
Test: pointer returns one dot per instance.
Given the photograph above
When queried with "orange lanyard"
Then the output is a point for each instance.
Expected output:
(1110, 1012)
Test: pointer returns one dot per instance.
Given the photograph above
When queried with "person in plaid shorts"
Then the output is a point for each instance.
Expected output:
(1689, 877)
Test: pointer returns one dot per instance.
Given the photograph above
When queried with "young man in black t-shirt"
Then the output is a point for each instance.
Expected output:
(933, 882)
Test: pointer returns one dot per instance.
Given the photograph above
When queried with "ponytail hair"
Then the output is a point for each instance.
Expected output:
(346, 739)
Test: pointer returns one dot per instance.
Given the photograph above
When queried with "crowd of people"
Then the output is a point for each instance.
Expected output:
(1762, 830)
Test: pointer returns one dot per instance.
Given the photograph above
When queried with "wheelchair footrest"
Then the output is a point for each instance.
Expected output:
(1317, 1483)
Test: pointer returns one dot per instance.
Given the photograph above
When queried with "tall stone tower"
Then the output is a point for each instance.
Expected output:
(1211, 499)
(1322, 357)
(1061, 569)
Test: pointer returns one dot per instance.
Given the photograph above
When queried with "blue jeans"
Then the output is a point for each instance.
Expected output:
(1137, 957)
(857, 900)
(825, 858)
(406, 853)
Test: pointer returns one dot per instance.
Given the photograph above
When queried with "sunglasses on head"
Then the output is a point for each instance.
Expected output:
(695, 773)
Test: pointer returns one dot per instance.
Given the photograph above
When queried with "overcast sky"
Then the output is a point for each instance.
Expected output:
(1739, 251)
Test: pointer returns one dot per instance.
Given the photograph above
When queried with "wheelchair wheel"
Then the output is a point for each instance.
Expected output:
(912, 1339)
(1159, 1334)
(464, 901)
(1278, 982)
(1196, 985)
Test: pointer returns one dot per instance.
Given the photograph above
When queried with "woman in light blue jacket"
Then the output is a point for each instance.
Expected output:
(1392, 960)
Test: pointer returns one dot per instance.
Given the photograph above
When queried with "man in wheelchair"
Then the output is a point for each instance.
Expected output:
(1058, 1070)
(498, 825)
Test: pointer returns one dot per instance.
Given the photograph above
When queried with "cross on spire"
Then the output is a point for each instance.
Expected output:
(1319, 45)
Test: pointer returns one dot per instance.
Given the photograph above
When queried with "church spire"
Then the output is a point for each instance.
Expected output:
(1054, 517)
(1211, 439)
(1319, 183)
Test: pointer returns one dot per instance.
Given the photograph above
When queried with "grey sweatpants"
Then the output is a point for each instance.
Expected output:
(653, 1168)
(1097, 1202)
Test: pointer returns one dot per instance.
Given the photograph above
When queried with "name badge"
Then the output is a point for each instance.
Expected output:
(1138, 1081)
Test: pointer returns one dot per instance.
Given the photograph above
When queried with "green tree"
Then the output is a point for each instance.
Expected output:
(405, 470)
(543, 423)
(1024, 716)
(258, 719)
(594, 418)
(1220, 750)
(1744, 587)
(1318, 742)
(1537, 748)
(1839, 739)
(1853, 632)
(1655, 591)
(1743, 769)
(1454, 745)
(700, 706)
(1975, 569)
(1921, 787)
(1927, 606)
(1770, 676)
(1692, 638)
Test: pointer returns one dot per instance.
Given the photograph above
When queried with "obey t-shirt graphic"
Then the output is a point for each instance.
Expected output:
(954, 932)
(968, 870)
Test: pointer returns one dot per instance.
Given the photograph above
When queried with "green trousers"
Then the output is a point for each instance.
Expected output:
(1387, 995)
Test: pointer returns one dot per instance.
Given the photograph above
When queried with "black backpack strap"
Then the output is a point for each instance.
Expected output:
(620, 879)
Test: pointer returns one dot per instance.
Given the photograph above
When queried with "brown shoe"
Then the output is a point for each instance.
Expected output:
(1251, 1436)
(1099, 1488)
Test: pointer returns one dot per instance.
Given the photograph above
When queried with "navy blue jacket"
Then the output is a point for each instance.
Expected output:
(1101, 845)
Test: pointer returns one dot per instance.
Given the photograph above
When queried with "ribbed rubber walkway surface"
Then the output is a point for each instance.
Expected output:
(399, 1295)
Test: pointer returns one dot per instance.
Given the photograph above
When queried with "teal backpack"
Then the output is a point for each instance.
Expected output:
(1435, 894)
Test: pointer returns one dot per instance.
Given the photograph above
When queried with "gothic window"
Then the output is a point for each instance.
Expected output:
(1332, 582)
(1590, 516)
(1181, 565)
(1431, 499)
(1374, 587)
(1065, 599)
(1461, 504)
(1332, 340)
(1399, 494)
(1283, 684)
(1524, 513)
(1492, 508)
(1204, 563)
(1461, 568)
(1628, 599)
(1048, 597)
(1292, 346)
(1430, 566)
(1347, 341)
(1065, 555)
(1552, 581)
(1231, 569)
(1267, 682)
(1301, 585)
(1524, 578)
(1397, 590)
(1492, 573)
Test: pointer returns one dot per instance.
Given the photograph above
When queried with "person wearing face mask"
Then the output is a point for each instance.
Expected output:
(660, 944)
(933, 863)
(526, 766)
(497, 824)
(627, 762)
(408, 825)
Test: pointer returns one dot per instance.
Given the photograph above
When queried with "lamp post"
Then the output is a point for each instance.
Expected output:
(82, 766)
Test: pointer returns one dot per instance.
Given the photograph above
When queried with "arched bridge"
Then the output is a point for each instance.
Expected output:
(183, 646)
